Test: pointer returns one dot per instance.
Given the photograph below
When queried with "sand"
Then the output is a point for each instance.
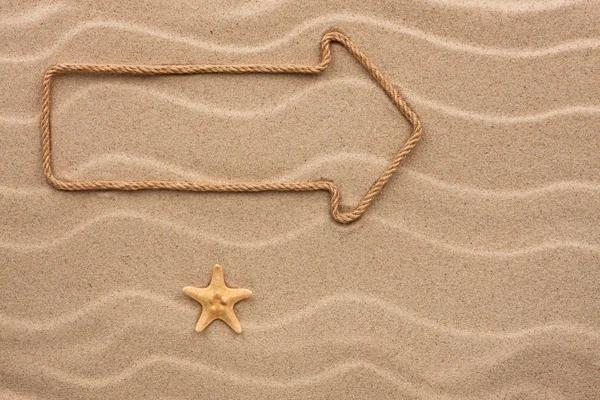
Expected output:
(475, 274)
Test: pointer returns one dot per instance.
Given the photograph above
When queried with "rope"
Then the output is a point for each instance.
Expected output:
(340, 216)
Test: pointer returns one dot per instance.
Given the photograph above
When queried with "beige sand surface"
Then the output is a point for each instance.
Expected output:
(475, 275)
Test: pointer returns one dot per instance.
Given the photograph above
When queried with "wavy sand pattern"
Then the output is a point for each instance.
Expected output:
(476, 275)
(266, 6)
(320, 23)
(304, 95)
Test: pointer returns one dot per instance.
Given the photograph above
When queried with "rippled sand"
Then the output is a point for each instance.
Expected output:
(475, 275)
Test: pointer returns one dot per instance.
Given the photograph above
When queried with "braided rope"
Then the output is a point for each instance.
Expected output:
(340, 216)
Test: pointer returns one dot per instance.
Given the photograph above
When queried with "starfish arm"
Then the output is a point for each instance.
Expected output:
(217, 280)
(205, 319)
(230, 319)
(201, 295)
(235, 295)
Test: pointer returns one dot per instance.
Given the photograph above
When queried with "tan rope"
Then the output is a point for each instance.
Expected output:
(337, 214)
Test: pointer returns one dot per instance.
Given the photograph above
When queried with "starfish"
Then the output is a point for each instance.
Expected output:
(217, 301)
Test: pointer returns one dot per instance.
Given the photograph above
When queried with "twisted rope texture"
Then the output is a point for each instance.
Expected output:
(337, 213)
